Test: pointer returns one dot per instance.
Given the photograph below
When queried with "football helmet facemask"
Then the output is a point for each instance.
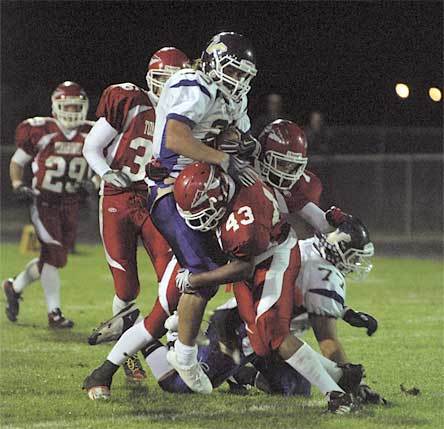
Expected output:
(163, 64)
(70, 104)
(230, 62)
(201, 192)
(283, 156)
(348, 248)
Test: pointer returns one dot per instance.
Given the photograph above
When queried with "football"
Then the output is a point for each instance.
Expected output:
(231, 137)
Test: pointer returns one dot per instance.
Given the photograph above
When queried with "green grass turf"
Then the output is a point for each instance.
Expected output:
(42, 371)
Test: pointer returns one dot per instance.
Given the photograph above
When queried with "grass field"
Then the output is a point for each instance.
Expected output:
(42, 371)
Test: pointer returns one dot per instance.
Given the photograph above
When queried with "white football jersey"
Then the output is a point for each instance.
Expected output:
(192, 97)
(320, 285)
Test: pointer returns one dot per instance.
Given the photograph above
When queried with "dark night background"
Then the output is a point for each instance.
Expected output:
(343, 58)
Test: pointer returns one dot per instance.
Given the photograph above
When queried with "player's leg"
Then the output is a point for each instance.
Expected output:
(197, 252)
(14, 287)
(48, 220)
(119, 238)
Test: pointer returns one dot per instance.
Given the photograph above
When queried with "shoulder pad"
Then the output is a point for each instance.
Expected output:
(37, 121)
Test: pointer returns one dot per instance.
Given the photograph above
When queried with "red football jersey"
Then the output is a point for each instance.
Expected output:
(58, 164)
(130, 111)
(308, 189)
(253, 223)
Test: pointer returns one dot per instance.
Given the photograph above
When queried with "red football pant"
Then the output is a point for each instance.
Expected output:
(266, 305)
(166, 302)
(56, 227)
(123, 219)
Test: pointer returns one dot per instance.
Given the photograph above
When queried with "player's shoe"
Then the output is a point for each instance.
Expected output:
(352, 375)
(133, 370)
(193, 376)
(340, 403)
(98, 383)
(56, 320)
(12, 300)
(112, 329)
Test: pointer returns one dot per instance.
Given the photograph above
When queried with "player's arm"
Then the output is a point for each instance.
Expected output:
(235, 271)
(22, 156)
(180, 139)
(324, 328)
(100, 136)
(322, 221)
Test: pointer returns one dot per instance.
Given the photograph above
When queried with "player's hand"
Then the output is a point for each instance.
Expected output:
(24, 194)
(117, 178)
(183, 281)
(240, 170)
(335, 216)
(155, 171)
(249, 146)
(366, 395)
(361, 320)
(245, 146)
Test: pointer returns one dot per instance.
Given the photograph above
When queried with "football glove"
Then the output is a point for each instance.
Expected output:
(155, 171)
(335, 216)
(366, 395)
(240, 170)
(24, 194)
(245, 147)
(183, 281)
(117, 178)
(360, 320)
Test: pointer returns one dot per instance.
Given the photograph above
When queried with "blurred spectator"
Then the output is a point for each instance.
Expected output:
(274, 109)
(315, 131)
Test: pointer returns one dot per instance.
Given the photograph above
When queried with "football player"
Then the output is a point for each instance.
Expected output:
(326, 259)
(54, 145)
(194, 106)
(118, 149)
(264, 260)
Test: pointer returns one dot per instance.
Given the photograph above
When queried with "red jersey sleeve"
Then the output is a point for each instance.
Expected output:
(307, 190)
(25, 136)
(116, 102)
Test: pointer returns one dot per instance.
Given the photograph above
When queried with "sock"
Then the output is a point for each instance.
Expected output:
(306, 362)
(134, 339)
(27, 276)
(157, 361)
(186, 355)
(331, 367)
(50, 280)
(119, 304)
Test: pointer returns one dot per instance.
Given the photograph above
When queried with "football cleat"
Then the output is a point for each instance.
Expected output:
(57, 320)
(112, 329)
(98, 383)
(352, 374)
(193, 376)
(133, 370)
(12, 300)
(340, 403)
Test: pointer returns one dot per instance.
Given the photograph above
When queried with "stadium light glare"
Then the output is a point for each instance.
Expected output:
(402, 90)
(435, 94)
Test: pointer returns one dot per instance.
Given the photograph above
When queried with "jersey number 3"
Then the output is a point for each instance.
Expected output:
(244, 217)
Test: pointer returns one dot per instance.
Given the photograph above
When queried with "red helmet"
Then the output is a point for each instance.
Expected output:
(284, 154)
(70, 104)
(201, 193)
(163, 64)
